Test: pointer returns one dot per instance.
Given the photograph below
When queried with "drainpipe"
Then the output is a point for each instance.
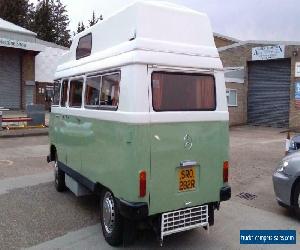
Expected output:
(0, 120)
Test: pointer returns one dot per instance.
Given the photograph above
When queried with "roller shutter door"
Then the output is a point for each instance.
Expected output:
(10, 78)
(269, 92)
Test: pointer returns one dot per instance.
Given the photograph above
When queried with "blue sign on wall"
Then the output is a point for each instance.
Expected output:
(297, 94)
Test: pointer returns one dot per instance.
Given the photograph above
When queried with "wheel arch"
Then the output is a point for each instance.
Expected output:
(296, 182)
(98, 188)
(53, 152)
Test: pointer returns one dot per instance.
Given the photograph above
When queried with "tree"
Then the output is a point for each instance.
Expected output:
(61, 22)
(93, 20)
(49, 18)
(44, 24)
(51, 22)
(19, 12)
(80, 27)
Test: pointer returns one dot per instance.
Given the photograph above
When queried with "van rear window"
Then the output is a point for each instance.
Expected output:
(183, 92)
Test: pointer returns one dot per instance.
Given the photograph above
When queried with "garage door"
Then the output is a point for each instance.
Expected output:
(269, 92)
(10, 78)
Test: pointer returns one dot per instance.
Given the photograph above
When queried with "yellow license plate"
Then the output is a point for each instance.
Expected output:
(186, 179)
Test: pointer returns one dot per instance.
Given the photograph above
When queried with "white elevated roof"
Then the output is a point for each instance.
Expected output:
(144, 27)
(8, 26)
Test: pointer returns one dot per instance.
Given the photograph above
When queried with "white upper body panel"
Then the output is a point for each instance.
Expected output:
(175, 35)
(142, 38)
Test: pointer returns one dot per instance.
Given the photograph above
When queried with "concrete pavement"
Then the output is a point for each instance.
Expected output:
(224, 234)
(24, 181)
(34, 215)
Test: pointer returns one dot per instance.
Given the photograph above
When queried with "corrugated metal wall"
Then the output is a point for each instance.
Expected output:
(10, 78)
(269, 92)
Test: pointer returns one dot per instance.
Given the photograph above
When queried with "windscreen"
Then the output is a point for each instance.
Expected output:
(183, 92)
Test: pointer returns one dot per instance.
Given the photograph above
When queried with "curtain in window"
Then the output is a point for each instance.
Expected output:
(157, 90)
(115, 95)
(182, 92)
(205, 94)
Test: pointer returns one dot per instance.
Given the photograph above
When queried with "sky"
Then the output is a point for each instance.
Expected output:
(243, 19)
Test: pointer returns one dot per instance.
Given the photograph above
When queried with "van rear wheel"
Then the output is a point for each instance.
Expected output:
(59, 178)
(111, 219)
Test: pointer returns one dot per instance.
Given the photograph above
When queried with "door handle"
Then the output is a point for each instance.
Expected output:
(57, 116)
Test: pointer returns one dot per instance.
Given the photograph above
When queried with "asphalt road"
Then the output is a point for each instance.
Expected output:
(33, 215)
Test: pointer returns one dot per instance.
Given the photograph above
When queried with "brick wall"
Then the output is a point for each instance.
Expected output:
(237, 115)
(238, 57)
(294, 113)
(28, 73)
(221, 42)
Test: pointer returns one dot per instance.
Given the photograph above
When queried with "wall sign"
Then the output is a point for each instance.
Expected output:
(5, 42)
(297, 94)
(268, 52)
(297, 69)
(12, 43)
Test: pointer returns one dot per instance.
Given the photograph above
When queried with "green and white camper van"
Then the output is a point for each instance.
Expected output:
(140, 117)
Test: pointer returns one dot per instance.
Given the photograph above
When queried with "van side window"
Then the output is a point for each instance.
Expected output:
(92, 92)
(64, 93)
(109, 96)
(183, 92)
(84, 46)
(75, 94)
(56, 93)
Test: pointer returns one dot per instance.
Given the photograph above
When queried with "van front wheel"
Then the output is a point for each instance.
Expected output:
(111, 219)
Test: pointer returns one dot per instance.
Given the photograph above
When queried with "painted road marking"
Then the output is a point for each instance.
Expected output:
(9, 184)
(6, 162)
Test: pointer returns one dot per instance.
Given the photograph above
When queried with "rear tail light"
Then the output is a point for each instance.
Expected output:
(143, 183)
(225, 171)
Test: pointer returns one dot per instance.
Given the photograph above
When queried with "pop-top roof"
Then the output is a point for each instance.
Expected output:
(148, 26)
(8, 26)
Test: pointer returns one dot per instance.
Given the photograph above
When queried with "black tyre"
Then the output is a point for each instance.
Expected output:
(111, 219)
(59, 177)
(296, 200)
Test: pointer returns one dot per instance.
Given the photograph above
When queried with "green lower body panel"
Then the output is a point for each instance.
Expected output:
(113, 154)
